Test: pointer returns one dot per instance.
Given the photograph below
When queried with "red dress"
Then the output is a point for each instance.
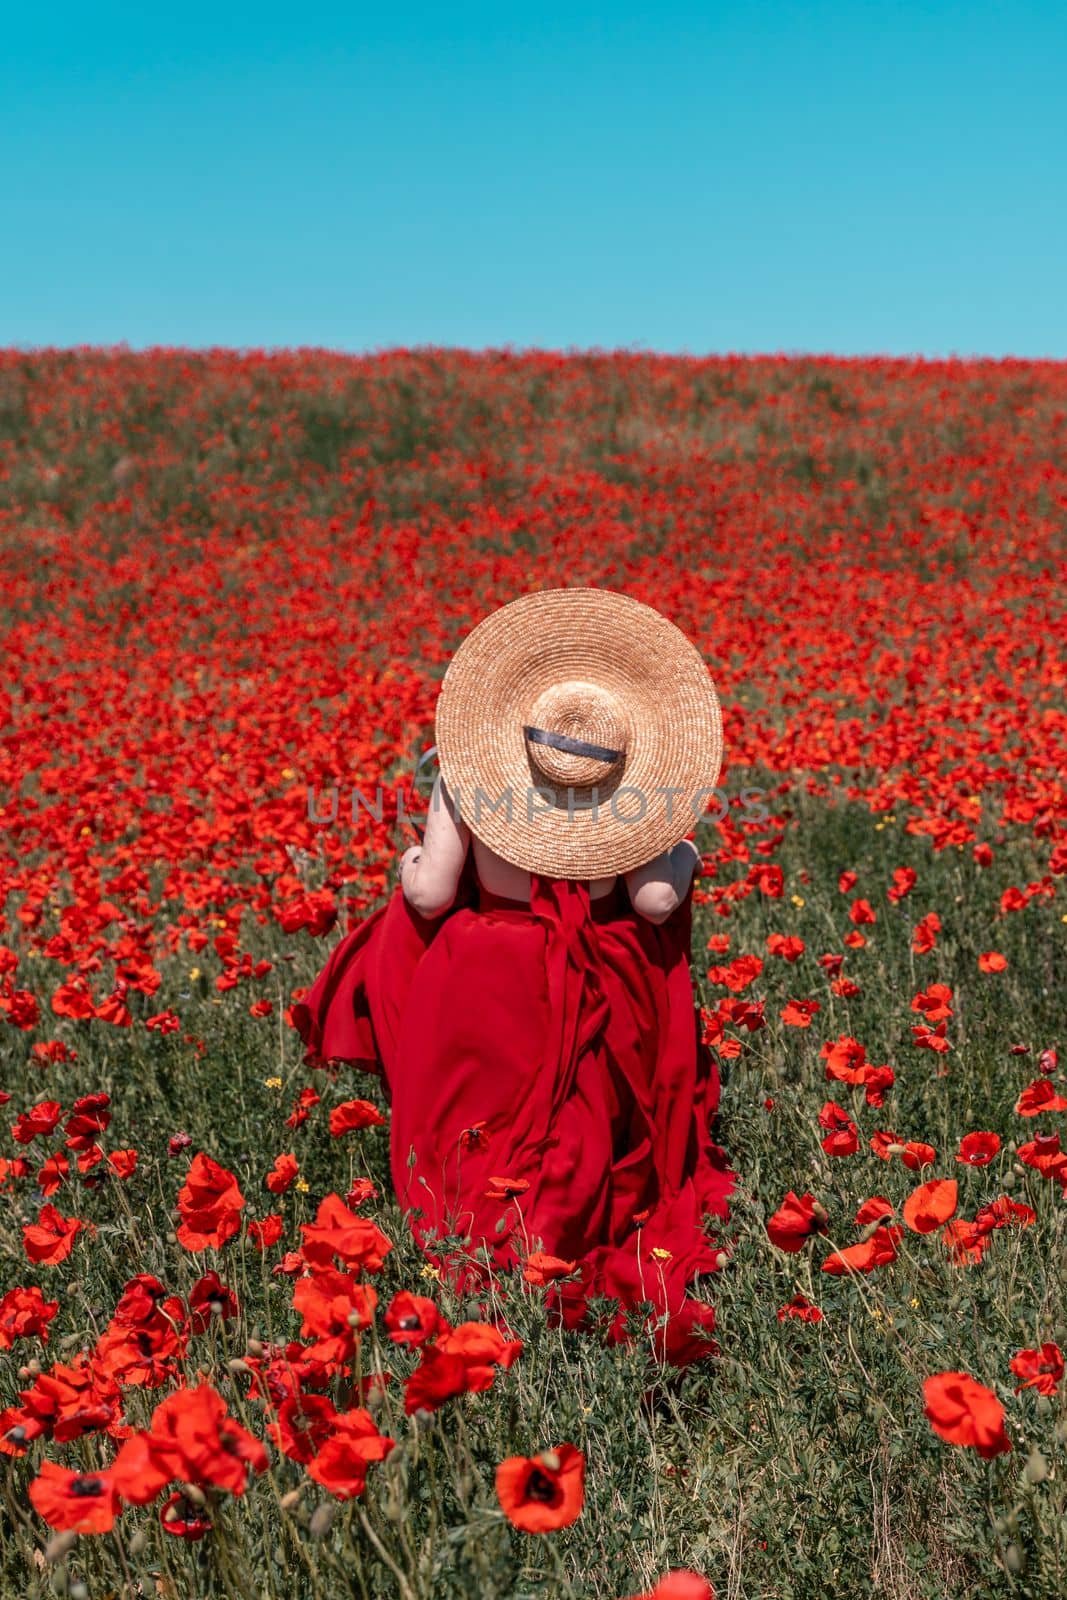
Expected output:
(543, 1066)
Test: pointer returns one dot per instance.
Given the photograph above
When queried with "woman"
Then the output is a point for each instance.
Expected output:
(526, 992)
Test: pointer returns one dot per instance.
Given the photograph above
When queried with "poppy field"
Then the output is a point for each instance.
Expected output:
(232, 583)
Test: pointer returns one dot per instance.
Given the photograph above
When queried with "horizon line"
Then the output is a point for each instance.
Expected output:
(123, 347)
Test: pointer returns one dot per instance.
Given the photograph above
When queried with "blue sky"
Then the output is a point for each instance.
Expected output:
(856, 178)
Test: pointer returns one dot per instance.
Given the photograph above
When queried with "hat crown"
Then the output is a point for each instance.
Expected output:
(577, 734)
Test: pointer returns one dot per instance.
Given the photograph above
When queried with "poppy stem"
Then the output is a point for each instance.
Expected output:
(404, 1587)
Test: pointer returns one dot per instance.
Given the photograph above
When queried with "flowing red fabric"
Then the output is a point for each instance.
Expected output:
(548, 1092)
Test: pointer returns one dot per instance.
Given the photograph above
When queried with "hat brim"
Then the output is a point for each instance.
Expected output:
(673, 748)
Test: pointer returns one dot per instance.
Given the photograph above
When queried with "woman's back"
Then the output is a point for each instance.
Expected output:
(509, 882)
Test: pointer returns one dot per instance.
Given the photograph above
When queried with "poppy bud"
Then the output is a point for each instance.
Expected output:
(1036, 1469)
(237, 1366)
(292, 1498)
(322, 1519)
(196, 1497)
(253, 1347)
(59, 1545)
(550, 1459)
(138, 1543)
(393, 1507)
(819, 1211)
(1015, 1559)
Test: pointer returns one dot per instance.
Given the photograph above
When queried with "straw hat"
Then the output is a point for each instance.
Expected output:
(563, 720)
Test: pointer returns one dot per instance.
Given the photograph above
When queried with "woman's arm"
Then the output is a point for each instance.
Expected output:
(659, 887)
(430, 871)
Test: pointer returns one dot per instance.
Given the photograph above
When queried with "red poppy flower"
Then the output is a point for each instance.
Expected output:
(904, 880)
(354, 1442)
(81, 1502)
(123, 1163)
(74, 1000)
(742, 971)
(992, 961)
(412, 1319)
(933, 1002)
(843, 1138)
(1005, 1213)
(877, 1251)
(935, 1039)
(352, 1115)
(210, 1297)
(800, 1309)
(51, 1173)
(967, 1241)
(978, 1149)
(210, 1203)
(265, 1231)
(39, 1122)
(89, 1116)
(964, 1412)
(930, 1205)
(1039, 1369)
(192, 1439)
(481, 1346)
(339, 1232)
(542, 1493)
(795, 1221)
(540, 1268)
(924, 938)
(679, 1585)
(1037, 1097)
(282, 1174)
(506, 1188)
(307, 1098)
(23, 1313)
(182, 1517)
(1045, 1155)
(461, 1361)
(51, 1238)
(798, 1013)
(305, 1422)
(334, 1305)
